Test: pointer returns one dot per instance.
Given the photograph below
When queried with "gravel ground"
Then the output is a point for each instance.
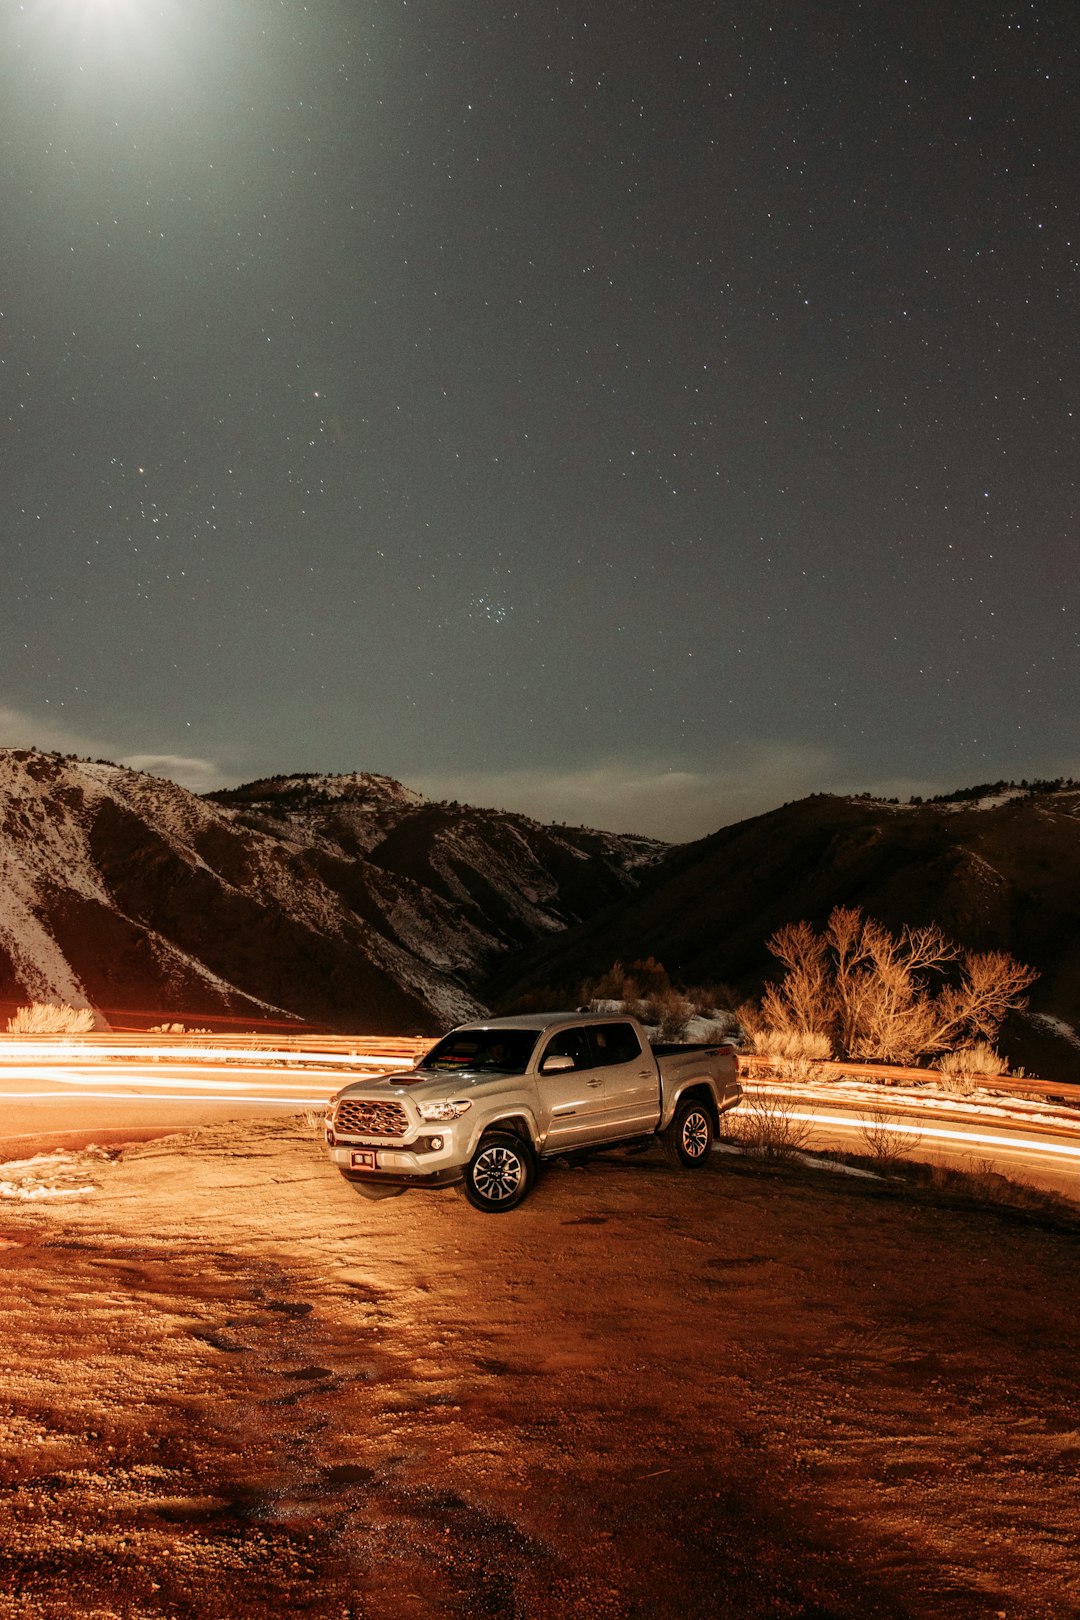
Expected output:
(234, 1388)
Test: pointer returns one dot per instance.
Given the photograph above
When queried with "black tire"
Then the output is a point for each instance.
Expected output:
(500, 1173)
(373, 1191)
(689, 1138)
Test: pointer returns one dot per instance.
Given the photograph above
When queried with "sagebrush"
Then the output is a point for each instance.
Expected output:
(961, 1069)
(51, 1018)
(793, 1054)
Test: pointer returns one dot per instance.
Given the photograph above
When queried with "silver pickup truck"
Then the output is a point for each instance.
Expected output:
(492, 1100)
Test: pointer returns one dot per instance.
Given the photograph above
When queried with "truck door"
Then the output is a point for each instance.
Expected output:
(572, 1100)
(631, 1080)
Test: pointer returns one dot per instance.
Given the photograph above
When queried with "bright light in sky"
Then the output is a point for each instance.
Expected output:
(120, 28)
(86, 15)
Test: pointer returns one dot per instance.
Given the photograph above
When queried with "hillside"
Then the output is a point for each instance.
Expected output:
(1000, 872)
(458, 884)
(349, 902)
(354, 903)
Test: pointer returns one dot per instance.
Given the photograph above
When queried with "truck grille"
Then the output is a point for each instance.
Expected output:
(371, 1119)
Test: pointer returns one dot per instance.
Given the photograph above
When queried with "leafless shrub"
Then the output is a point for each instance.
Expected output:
(793, 1054)
(639, 980)
(719, 1030)
(980, 1183)
(710, 999)
(885, 1141)
(940, 1175)
(767, 1128)
(885, 996)
(671, 1012)
(961, 1070)
(51, 1018)
(315, 1120)
(748, 1016)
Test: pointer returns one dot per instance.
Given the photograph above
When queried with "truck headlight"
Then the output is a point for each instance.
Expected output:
(442, 1110)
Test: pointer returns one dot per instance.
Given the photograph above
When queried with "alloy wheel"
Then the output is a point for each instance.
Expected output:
(497, 1174)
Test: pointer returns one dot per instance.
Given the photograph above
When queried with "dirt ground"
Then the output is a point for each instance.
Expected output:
(234, 1388)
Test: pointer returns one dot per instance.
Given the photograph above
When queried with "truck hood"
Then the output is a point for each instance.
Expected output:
(422, 1083)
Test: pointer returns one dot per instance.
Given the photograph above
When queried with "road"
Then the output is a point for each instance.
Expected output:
(67, 1093)
(114, 1089)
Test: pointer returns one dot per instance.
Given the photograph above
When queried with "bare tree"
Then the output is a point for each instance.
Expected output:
(893, 997)
(803, 1000)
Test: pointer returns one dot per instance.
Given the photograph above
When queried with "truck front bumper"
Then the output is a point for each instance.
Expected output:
(414, 1165)
(405, 1178)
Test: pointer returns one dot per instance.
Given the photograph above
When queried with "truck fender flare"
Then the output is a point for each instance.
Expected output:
(702, 1087)
(517, 1123)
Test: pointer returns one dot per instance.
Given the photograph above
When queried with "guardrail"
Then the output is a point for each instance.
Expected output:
(892, 1074)
(289, 1050)
(349, 1045)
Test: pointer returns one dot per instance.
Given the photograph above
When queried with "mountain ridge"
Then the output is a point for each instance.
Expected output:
(353, 902)
(122, 890)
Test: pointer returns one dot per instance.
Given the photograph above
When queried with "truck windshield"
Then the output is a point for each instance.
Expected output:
(502, 1051)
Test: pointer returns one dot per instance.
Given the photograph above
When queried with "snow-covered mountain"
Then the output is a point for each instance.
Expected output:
(349, 901)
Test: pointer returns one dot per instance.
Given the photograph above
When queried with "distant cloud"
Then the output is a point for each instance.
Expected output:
(200, 775)
(19, 729)
(665, 803)
(653, 799)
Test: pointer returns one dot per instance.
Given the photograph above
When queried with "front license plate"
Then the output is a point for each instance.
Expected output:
(363, 1161)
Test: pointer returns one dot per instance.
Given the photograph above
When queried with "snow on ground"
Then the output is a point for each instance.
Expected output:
(52, 1175)
(1056, 1026)
(811, 1161)
(992, 801)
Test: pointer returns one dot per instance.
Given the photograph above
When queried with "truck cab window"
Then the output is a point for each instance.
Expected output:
(572, 1043)
(615, 1043)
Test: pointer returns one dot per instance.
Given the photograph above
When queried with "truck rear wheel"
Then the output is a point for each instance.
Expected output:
(500, 1173)
(689, 1137)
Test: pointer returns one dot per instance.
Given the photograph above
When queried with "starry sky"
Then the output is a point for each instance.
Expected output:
(631, 414)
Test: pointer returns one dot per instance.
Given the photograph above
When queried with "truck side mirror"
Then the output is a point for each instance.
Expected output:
(556, 1064)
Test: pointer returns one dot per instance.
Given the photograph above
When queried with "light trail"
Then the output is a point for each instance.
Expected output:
(153, 1096)
(969, 1138)
(54, 1089)
(220, 1083)
(32, 1052)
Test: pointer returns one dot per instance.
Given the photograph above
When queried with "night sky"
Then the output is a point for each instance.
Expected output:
(625, 413)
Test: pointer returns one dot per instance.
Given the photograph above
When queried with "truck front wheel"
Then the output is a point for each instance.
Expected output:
(689, 1137)
(500, 1173)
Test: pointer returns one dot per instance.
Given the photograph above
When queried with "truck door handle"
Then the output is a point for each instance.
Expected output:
(595, 1083)
(644, 1074)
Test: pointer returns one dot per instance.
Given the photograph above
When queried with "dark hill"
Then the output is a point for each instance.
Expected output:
(1002, 872)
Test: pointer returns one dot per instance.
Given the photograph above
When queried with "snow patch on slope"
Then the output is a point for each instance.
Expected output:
(1056, 1026)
